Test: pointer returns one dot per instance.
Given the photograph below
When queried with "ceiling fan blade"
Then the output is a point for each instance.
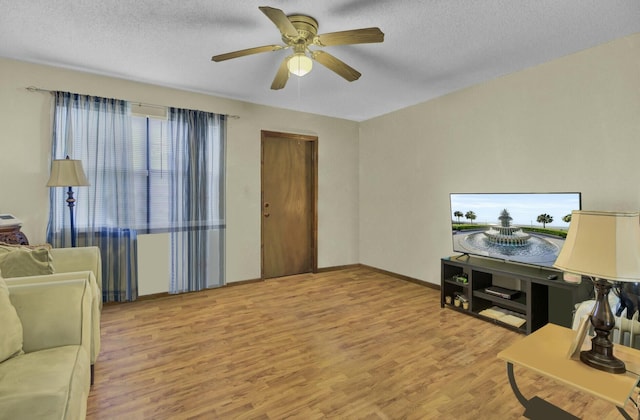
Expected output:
(338, 66)
(281, 76)
(354, 36)
(248, 51)
(281, 20)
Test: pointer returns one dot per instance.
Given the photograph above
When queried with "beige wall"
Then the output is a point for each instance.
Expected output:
(25, 156)
(572, 124)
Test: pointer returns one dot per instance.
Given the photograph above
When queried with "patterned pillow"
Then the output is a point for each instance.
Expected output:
(11, 331)
(20, 262)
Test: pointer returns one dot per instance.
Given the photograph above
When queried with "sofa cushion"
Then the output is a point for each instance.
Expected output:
(46, 384)
(22, 261)
(10, 325)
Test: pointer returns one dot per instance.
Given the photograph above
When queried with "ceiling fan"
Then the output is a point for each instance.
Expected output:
(300, 32)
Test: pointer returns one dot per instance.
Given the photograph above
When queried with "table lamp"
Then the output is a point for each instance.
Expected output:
(68, 173)
(604, 246)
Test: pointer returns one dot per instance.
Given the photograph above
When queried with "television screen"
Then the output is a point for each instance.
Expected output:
(529, 228)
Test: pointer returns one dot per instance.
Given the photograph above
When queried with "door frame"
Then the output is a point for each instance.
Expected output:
(313, 140)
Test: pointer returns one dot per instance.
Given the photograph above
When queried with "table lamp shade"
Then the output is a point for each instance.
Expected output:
(602, 244)
(67, 173)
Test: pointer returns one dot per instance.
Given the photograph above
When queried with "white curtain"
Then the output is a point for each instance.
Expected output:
(197, 160)
(97, 131)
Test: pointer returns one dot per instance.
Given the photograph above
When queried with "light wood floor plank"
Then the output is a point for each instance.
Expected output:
(348, 344)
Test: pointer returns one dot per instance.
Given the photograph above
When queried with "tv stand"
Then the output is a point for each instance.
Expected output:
(463, 255)
(540, 299)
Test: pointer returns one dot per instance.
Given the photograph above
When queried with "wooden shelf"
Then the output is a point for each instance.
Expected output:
(457, 283)
(519, 304)
(522, 329)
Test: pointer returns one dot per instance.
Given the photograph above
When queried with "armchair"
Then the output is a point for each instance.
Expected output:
(626, 329)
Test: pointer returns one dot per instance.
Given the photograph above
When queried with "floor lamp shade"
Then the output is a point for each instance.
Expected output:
(68, 173)
(606, 247)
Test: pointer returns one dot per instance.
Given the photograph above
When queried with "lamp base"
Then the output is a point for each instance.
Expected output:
(601, 354)
(607, 363)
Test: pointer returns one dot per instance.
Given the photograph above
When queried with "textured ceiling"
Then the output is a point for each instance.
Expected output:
(431, 47)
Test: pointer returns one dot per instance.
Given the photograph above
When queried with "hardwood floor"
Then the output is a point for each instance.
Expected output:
(348, 344)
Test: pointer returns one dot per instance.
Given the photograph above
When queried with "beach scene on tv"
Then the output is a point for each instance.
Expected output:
(526, 228)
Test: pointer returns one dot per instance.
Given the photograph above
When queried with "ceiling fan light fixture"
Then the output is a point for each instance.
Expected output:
(299, 32)
(299, 64)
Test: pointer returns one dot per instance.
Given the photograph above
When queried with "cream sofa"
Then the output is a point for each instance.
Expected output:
(49, 378)
(65, 263)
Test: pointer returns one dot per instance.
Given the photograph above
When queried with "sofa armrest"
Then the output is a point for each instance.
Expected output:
(87, 258)
(53, 313)
(95, 299)
(87, 275)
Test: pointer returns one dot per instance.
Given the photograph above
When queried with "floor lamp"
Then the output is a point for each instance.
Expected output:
(606, 247)
(68, 173)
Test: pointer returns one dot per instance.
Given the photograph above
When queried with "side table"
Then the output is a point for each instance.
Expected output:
(13, 235)
(546, 352)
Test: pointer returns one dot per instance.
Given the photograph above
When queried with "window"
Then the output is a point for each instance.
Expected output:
(175, 169)
(152, 174)
(156, 166)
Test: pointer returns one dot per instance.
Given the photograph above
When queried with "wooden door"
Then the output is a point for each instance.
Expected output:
(289, 203)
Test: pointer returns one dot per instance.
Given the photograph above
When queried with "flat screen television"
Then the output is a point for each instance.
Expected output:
(528, 228)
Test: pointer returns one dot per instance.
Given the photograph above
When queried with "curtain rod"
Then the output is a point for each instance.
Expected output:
(37, 89)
